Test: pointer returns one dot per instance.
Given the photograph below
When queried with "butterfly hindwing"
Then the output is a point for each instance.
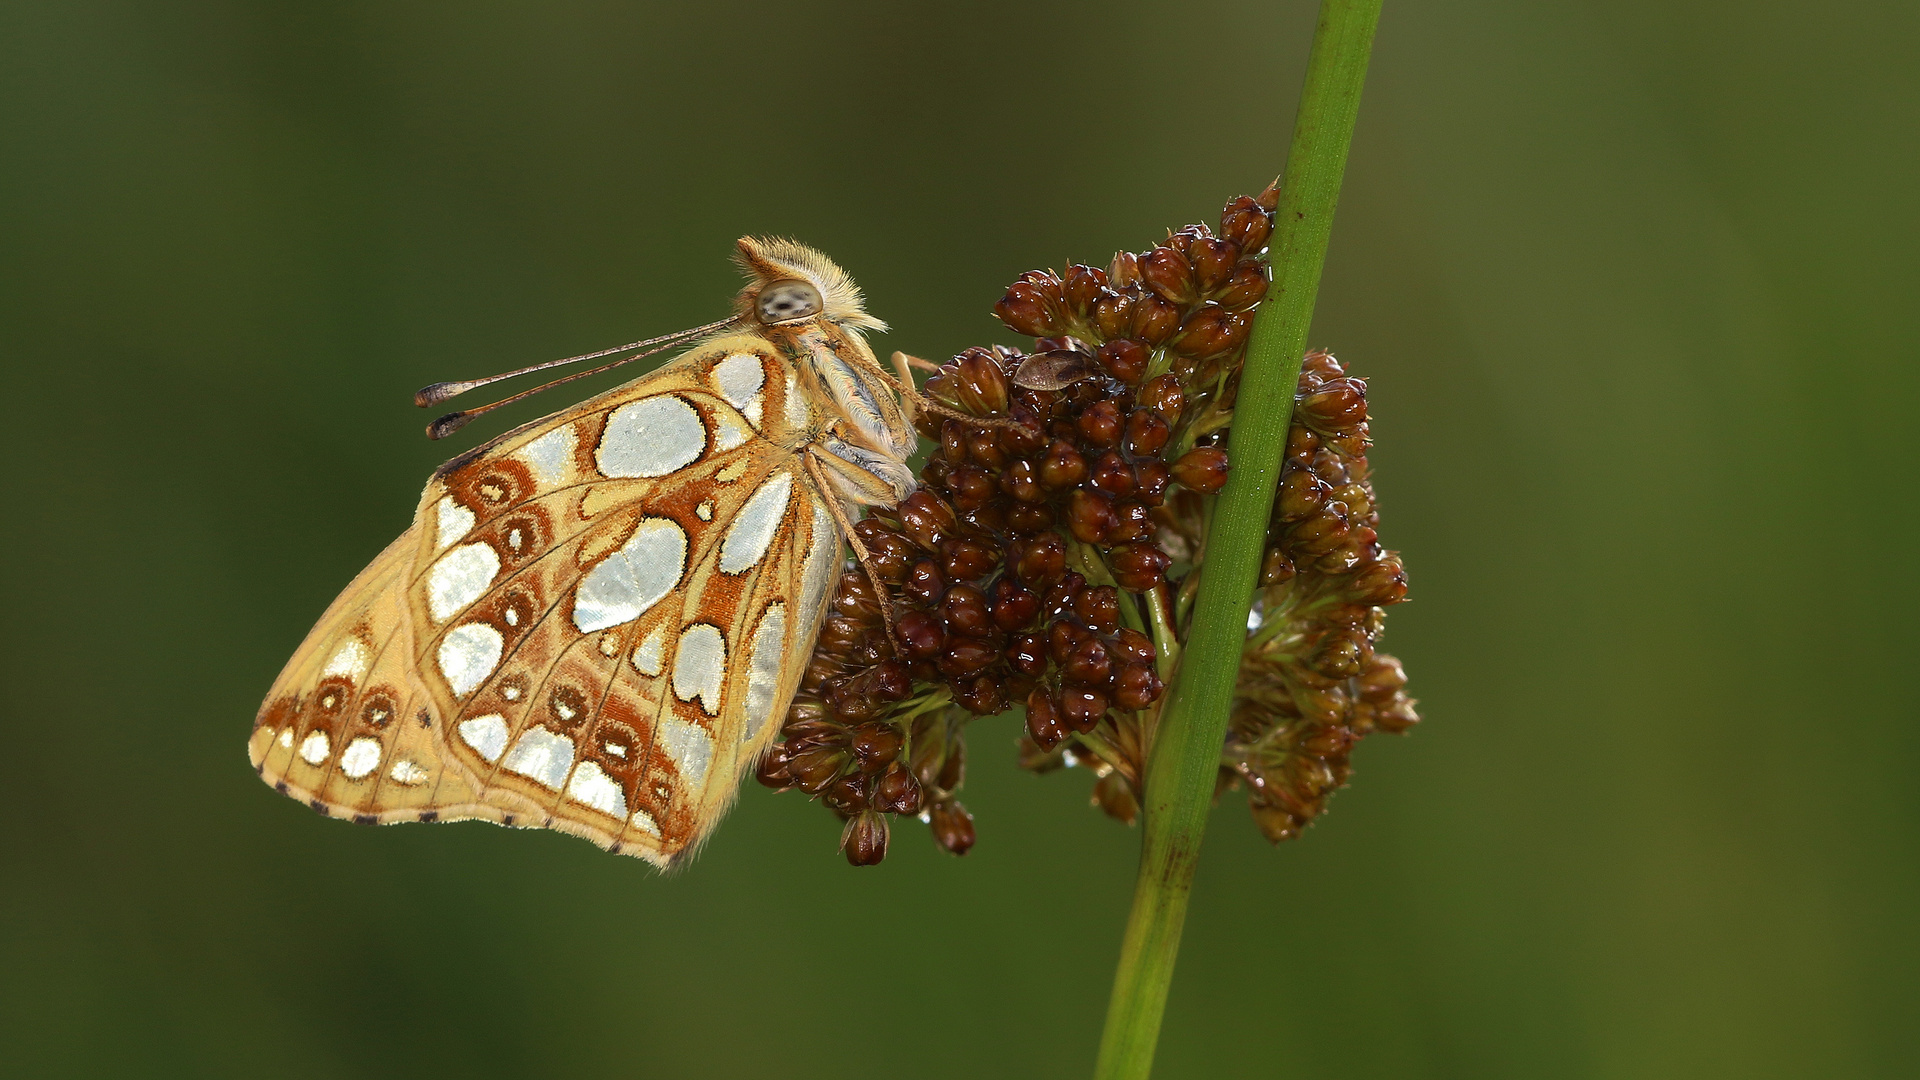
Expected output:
(579, 629)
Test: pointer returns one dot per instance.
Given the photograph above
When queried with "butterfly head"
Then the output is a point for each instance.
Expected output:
(790, 284)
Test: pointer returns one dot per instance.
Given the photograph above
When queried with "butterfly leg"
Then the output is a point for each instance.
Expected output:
(916, 400)
(860, 552)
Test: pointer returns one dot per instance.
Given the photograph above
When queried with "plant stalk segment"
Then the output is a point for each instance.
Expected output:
(1186, 749)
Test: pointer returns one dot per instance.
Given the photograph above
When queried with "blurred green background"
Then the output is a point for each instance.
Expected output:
(1635, 284)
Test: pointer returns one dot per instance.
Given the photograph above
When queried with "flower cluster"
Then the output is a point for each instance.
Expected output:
(1046, 559)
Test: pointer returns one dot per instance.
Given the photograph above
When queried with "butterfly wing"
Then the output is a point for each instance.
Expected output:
(590, 626)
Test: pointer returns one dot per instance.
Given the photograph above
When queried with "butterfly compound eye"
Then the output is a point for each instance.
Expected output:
(785, 301)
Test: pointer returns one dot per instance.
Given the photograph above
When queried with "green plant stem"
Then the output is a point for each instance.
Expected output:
(1186, 749)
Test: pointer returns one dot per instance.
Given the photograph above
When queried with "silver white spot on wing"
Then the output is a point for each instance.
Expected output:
(486, 734)
(763, 672)
(286, 739)
(700, 666)
(823, 559)
(591, 786)
(409, 773)
(645, 823)
(704, 511)
(799, 417)
(451, 522)
(689, 747)
(468, 654)
(361, 757)
(314, 748)
(649, 655)
(754, 526)
(738, 378)
(651, 437)
(549, 455)
(541, 755)
(350, 659)
(728, 433)
(632, 579)
(459, 578)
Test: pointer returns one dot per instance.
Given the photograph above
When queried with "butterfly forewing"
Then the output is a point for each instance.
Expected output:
(592, 625)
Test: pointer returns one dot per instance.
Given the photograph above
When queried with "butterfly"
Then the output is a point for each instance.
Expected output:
(597, 621)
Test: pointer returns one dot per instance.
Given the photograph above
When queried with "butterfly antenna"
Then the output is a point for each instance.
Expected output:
(454, 421)
(441, 391)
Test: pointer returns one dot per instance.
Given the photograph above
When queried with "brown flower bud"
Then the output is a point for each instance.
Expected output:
(1013, 606)
(1043, 721)
(966, 656)
(1162, 394)
(984, 448)
(952, 826)
(1275, 823)
(979, 384)
(1082, 287)
(1031, 305)
(983, 695)
(1246, 287)
(1100, 424)
(1114, 796)
(864, 840)
(1082, 707)
(1168, 273)
(1138, 566)
(897, 792)
(970, 486)
(1133, 647)
(925, 519)
(1022, 481)
(920, 635)
(1211, 331)
(847, 794)
(1089, 663)
(1155, 319)
(1147, 432)
(1301, 495)
(1112, 473)
(1090, 516)
(1062, 636)
(1136, 686)
(1042, 560)
(1124, 270)
(1027, 654)
(814, 768)
(924, 582)
(1213, 261)
(772, 770)
(1275, 568)
(1113, 314)
(1379, 583)
(965, 609)
(1341, 655)
(967, 560)
(1063, 467)
(1246, 223)
(1025, 519)
(1133, 522)
(1099, 607)
(1203, 468)
(1125, 359)
(875, 745)
(1337, 404)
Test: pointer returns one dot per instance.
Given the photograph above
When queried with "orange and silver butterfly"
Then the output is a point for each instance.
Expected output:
(597, 621)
